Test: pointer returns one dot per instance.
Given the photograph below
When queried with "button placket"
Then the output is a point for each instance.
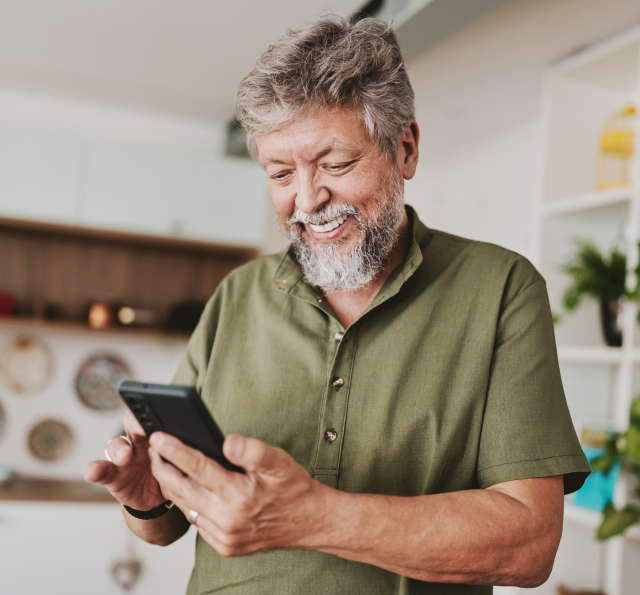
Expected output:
(335, 407)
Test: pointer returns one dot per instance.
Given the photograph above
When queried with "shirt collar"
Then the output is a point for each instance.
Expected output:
(290, 279)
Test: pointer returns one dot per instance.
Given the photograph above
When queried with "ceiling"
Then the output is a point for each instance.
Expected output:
(181, 59)
(185, 59)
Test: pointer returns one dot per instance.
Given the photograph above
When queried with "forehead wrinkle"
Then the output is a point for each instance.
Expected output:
(309, 138)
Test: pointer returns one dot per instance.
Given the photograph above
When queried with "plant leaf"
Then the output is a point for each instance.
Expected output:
(632, 448)
(594, 275)
(616, 522)
(571, 299)
(634, 413)
(610, 458)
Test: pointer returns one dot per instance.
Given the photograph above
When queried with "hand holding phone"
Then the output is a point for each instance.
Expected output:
(179, 411)
(127, 474)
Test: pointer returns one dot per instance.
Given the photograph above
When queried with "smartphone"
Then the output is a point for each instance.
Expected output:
(179, 411)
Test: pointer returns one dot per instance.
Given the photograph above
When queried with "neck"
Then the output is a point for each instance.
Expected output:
(349, 305)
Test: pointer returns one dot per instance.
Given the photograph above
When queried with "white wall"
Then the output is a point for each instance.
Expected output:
(484, 191)
(149, 360)
(478, 100)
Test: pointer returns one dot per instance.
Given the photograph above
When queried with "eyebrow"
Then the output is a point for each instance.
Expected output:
(323, 153)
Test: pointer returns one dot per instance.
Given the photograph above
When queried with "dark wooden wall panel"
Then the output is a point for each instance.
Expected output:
(72, 267)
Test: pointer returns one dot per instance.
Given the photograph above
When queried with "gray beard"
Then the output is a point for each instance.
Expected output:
(332, 271)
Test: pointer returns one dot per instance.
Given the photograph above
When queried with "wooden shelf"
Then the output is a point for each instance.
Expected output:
(586, 202)
(79, 328)
(579, 354)
(37, 489)
(71, 267)
(118, 237)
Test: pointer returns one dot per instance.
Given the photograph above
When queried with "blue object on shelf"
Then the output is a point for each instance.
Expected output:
(598, 489)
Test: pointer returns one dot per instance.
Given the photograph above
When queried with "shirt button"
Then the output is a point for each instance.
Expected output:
(330, 435)
(338, 337)
(337, 382)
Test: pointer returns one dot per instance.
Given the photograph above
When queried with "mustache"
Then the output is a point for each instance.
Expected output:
(329, 213)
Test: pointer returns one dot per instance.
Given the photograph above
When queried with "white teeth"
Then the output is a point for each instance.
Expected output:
(329, 225)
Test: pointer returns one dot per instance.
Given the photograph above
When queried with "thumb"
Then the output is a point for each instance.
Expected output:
(253, 455)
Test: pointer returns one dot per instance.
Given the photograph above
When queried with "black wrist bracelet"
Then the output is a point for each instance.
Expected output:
(148, 515)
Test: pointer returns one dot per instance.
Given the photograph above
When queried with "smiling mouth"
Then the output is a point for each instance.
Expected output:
(330, 225)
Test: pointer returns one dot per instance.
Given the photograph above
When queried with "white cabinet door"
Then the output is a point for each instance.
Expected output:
(69, 549)
(39, 175)
(223, 200)
(132, 188)
(166, 192)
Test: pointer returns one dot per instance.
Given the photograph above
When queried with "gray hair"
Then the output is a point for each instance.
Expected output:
(330, 63)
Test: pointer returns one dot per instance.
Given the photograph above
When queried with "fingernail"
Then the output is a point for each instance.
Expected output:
(155, 440)
(237, 446)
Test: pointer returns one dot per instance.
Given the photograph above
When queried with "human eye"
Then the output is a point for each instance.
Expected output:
(281, 176)
(338, 167)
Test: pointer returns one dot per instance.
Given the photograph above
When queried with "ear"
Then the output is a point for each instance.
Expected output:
(407, 153)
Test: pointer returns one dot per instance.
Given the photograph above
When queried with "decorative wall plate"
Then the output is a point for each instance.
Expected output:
(3, 420)
(49, 440)
(98, 379)
(25, 364)
(125, 573)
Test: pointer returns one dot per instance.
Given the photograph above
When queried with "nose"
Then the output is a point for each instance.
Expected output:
(310, 195)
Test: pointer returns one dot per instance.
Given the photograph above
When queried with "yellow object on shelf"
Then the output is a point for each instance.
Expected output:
(616, 149)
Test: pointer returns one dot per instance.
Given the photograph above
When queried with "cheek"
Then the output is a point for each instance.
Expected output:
(359, 191)
(283, 202)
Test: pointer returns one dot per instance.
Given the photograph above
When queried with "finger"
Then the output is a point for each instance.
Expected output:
(190, 461)
(180, 489)
(254, 455)
(133, 428)
(213, 541)
(226, 548)
(119, 451)
(100, 472)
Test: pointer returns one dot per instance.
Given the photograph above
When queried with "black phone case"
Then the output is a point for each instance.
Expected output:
(179, 411)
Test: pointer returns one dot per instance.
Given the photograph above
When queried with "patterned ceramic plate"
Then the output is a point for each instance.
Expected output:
(25, 364)
(3, 420)
(98, 379)
(49, 440)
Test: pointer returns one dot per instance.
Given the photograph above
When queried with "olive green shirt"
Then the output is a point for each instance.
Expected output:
(448, 381)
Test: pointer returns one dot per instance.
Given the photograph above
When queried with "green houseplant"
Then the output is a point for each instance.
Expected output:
(602, 278)
(623, 448)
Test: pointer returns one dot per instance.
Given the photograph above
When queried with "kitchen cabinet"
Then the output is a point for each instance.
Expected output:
(68, 548)
(39, 175)
(130, 188)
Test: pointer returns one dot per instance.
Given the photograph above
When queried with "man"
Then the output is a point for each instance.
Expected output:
(392, 392)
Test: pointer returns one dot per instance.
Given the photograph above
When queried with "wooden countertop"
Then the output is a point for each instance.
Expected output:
(80, 328)
(36, 489)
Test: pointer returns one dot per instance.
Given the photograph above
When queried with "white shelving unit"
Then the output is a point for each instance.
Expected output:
(600, 381)
(591, 519)
(585, 202)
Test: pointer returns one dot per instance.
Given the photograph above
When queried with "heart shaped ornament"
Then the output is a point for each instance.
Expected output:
(126, 573)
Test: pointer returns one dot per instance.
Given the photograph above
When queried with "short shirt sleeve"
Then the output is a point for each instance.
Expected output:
(527, 430)
(193, 368)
